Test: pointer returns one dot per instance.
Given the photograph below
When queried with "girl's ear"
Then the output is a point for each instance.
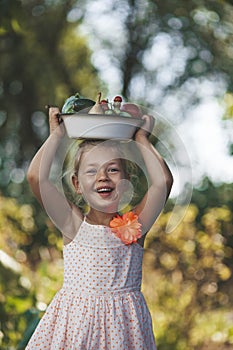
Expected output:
(75, 183)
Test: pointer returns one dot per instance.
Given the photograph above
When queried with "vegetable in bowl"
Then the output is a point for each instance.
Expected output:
(76, 103)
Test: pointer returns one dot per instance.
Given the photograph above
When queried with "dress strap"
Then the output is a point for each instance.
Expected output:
(85, 220)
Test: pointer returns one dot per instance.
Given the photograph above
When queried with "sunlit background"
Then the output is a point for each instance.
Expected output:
(175, 59)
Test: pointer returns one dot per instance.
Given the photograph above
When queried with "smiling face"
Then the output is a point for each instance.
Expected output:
(99, 177)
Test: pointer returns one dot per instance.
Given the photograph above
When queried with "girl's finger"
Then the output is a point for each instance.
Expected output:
(55, 120)
(148, 124)
(54, 111)
(55, 115)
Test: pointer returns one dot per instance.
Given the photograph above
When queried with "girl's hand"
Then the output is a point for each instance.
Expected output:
(146, 129)
(56, 126)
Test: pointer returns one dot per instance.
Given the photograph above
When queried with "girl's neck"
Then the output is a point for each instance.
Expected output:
(99, 218)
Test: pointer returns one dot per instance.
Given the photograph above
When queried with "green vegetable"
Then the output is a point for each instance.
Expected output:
(76, 103)
(125, 114)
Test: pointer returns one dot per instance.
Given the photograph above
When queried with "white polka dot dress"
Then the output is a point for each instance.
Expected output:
(100, 306)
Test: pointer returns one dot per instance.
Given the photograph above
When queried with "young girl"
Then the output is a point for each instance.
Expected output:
(100, 306)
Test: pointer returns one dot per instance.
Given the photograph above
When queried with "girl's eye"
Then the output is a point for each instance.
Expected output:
(91, 171)
(113, 170)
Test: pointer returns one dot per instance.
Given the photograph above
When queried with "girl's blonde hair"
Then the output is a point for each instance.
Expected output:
(86, 145)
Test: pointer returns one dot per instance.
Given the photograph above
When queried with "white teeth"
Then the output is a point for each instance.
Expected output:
(104, 190)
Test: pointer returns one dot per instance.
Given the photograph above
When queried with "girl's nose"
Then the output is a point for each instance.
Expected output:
(102, 175)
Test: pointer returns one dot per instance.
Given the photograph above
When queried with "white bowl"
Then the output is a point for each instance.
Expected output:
(98, 126)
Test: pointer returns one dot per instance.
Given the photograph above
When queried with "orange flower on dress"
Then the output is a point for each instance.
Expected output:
(126, 227)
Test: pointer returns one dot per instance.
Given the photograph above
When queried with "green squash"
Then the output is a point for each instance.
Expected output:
(76, 103)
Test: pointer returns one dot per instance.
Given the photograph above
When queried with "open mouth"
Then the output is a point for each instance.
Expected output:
(104, 190)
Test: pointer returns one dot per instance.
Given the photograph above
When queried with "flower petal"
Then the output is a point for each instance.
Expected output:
(126, 227)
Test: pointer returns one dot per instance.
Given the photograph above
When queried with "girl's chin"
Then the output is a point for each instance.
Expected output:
(106, 204)
(106, 208)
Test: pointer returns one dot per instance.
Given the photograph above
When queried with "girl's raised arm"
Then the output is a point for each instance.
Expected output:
(160, 178)
(65, 215)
